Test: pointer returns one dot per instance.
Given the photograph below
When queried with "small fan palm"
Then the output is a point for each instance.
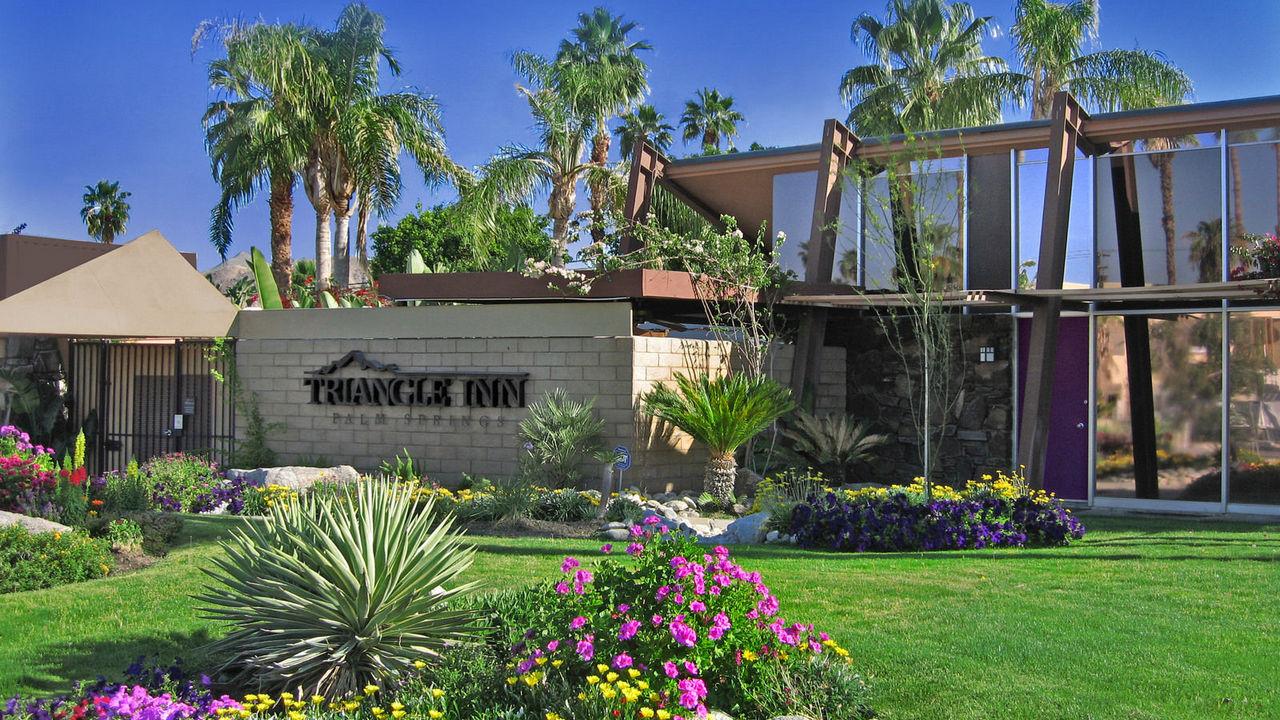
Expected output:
(833, 443)
(722, 413)
(338, 590)
(644, 123)
(711, 116)
(561, 434)
(106, 210)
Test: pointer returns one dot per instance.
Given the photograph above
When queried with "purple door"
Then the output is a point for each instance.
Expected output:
(1067, 464)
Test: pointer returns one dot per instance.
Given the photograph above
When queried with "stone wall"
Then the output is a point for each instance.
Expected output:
(614, 369)
(977, 435)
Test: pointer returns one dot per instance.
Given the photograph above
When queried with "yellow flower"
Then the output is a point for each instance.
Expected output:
(593, 679)
(397, 714)
(749, 656)
(245, 712)
(397, 706)
(634, 673)
(295, 715)
(556, 663)
(379, 712)
(419, 664)
(434, 714)
(511, 681)
(611, 676)
(350, 706)
(602, 668)
(370, 689)
(437, 693)
(251, 698)
(663, 714)
(317, 699)
(541, 660)
(552, 716)
(647, 712)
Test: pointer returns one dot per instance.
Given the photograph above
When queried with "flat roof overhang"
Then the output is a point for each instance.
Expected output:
(481, 287)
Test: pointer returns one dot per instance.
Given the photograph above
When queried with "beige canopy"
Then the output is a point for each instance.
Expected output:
(143, 289)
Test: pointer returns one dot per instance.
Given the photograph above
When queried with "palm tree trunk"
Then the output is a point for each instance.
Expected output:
(719, 477)
(1237, 196)
(1277, 151)
(358, 275)
(560, 208)
(710, 137)
(342, 248)
(324, 252)
(281, 210)
(1164, 162)
(599, 189)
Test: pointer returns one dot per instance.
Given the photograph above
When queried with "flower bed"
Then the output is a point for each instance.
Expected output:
(31, 561)
(994, 512)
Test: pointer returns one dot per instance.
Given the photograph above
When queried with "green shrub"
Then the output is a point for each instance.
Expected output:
(254, 451)
(159, 529)
(837, 444)
(560, 435)
(126, 492)
(564, 505)
(403, 468)
(336, 591)
(182, 482)
(820, 687)
(30, 561)
(625, 510)
(124, 534)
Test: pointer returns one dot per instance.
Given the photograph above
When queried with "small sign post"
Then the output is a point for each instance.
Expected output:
(622, 462)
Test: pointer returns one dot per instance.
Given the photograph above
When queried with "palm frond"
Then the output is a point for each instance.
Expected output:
(723, 413)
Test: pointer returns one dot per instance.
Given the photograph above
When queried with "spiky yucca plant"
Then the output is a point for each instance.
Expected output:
(560, 434)
(722, 413)
(336, 591)
(832, 443)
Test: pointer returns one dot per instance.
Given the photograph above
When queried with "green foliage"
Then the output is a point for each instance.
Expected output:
(105, 211)
(780, 493)
(445, 239)
(187, 481)
(124, 534)
(159, 529)
(402, 468)
(254, 451)
(821, 687)
(565, 505)
(333, 592)
(268, 291)
(126, 492)
(30, 561)
(625, 510)
(723, 412)
(835, 443)
(710, 118)
(560, 434)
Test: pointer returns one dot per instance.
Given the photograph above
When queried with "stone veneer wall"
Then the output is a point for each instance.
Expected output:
(976, 439)
(615, 370)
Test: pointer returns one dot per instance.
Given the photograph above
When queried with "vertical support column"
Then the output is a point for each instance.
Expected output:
(647, 165)
(839, 144)
(1065, 135)
(1137, 335)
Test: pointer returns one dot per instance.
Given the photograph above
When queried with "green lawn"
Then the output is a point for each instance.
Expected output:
(1146, 618)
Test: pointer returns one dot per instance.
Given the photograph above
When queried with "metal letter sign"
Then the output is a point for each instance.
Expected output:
(394, 387)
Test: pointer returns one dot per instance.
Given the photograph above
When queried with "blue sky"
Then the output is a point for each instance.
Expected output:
(93, 90)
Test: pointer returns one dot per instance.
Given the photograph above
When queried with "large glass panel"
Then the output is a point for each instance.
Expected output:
(1180, 210)
(1255, 408)
(1255, 195)
(1186, 383)
(793, 195)
(936, 193)
(845, 268)
(1032, 171)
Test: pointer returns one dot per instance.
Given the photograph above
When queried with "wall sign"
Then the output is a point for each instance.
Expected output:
(386, 385)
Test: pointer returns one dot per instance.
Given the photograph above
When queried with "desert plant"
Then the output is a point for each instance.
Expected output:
(402, 468)
(254, 451)
(335, 592)
(126, 492)
(560, 434)
(722, 413)
(835, 443)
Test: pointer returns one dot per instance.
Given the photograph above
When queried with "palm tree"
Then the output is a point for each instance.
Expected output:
(1049, 39)
(927, 70)
(555, 165)
(710, 115)
(600, 71)
(105, 211)
(643, 123)
(722, 413)
(255, 134)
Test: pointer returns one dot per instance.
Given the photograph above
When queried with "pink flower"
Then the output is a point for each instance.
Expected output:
(562, 587)
(635, 549)
(623, 608)
(553, 646)
(606, 548)
(670, 669)
(621, 661)
(577, 623)
(652, 520)
(628, 629)
(697, 606)
(587, 648)
(690, 668)
(656, 620)
(683, 634)
(569, 564)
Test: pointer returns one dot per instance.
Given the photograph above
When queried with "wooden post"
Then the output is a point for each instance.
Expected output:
(1137, 332)
(839, 144)
(647, 166)
(1067, 119)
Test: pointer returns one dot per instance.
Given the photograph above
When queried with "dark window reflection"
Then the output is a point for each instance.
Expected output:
(1255, 408)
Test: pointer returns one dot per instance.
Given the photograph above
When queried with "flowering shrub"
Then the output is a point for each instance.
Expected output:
(27, 473)
(996, 511)
(1259, 256)
(147, 693)
(668, 633)
(187, 483)
(486, 502)
(30, 561)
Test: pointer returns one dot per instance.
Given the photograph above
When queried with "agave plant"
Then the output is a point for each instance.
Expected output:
(834, 443)
(560, 434)
(722, 413)
(336, 591)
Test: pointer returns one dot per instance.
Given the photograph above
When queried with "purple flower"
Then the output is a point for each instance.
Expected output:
(606, 548)
(562, 587)
(628, 629)
(569, 564)
(652, 520)
(577, 623)
(635, 549)
(682, 633)
(587, 648)
(621, 661)
(671, 670)
(697, 606)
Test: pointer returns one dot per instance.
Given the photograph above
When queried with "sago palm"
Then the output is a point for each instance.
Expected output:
(926, 70)
(1049, 39)
(334, 591)
(833, 443)
(722, 413)
(105, 211)
(711, 116)
(643, 123)
(255, 131)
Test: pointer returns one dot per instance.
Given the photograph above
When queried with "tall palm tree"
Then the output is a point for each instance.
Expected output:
(643, 123)
(710, 115)
(105, 211)
(555, 165)
(599, 69)
(255, 133)
(927, 70)
(1049, 39)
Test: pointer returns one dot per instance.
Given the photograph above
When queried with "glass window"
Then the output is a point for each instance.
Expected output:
(793, 195)
(1033, 168)
(937, 190)
(1255, 196)
(1186, 370)
(1255, 408)
(845, 268)
(1180, 210)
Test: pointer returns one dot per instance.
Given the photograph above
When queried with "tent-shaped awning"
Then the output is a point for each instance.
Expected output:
(143, 289)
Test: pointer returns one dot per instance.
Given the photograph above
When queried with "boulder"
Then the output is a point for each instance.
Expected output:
(615, 534)
(772, 536)
(296, 477)
(746, 530)
(32, 524)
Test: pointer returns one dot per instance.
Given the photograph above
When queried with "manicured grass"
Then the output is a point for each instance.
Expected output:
(1146, 618)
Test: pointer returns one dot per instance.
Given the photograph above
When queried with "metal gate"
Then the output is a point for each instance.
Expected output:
(137, 400)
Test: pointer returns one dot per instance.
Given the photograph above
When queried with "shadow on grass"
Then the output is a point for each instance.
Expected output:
(61, 666)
